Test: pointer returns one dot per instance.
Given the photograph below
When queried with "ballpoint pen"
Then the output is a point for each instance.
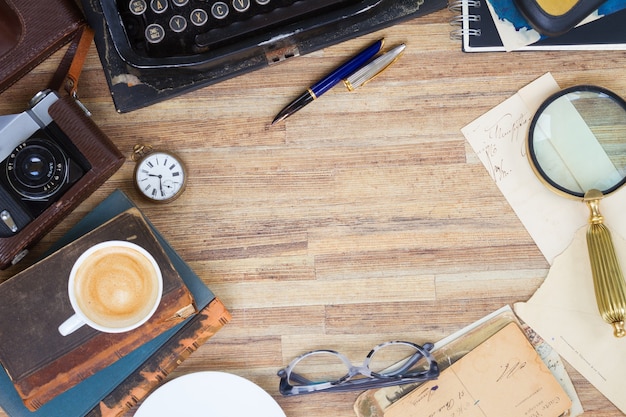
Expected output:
(330, 81)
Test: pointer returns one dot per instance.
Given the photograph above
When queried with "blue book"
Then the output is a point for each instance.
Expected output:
(90, 396)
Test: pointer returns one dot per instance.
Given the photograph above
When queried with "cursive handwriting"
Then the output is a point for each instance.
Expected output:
(496, 167)
(510, 127)
(509, 369)
(507, 129)
(446, 407)
(453, 408)
(425, 394)
(450, 407)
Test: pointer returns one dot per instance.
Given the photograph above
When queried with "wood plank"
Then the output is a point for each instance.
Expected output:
(365, 217)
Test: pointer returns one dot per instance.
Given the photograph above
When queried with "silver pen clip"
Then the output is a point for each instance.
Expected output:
(366, 73)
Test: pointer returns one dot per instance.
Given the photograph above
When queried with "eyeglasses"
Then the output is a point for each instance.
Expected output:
(388, 364)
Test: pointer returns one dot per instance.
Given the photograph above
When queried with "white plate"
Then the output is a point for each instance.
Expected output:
(210, 394)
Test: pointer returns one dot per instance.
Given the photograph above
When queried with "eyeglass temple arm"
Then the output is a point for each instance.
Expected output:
(361, 384)
(376, 383)
(430, 374)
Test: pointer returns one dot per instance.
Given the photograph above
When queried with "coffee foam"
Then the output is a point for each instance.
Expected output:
(116, 286)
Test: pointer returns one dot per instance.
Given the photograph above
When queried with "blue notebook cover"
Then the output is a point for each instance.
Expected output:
(79, 400)
(478, 32)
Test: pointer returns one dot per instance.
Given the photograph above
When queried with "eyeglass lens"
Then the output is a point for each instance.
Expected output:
(319, 366)
(392, 358)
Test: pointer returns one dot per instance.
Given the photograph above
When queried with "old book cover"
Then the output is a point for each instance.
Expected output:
(43, 364)
(156, 369)
(113, 381)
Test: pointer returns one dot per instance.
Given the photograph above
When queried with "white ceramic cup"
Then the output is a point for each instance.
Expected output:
(114, 287)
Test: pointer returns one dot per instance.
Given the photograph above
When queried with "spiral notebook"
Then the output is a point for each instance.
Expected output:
(477, 31)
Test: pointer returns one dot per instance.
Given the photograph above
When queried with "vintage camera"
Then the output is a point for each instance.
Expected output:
(52, 157)
(39, 163)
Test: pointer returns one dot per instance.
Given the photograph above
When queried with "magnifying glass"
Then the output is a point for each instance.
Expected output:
(577, 148)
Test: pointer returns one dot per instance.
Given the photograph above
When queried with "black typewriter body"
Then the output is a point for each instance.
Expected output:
(167, 47)
(170, 33)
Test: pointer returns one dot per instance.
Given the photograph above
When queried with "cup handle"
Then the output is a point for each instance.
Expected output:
(71, 325)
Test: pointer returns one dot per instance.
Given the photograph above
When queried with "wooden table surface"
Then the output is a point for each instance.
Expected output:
(364, 218)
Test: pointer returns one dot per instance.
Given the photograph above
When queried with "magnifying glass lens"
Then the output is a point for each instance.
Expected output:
(578, 141)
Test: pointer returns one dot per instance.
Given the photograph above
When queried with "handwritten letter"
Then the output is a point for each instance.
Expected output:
(499, 140)
(504, 376)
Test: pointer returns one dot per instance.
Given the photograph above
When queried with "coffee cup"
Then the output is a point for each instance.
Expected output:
(114, 287)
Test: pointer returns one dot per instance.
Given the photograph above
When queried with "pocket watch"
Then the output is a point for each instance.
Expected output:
(160, 176)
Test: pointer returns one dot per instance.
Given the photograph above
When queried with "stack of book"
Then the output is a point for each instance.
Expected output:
(90, 373)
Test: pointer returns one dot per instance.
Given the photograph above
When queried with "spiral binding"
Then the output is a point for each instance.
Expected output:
(462, 19)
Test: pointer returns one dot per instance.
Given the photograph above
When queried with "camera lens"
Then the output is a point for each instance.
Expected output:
(37, 168)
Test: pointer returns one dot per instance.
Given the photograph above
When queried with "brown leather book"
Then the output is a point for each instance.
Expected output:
(155, 369)
(43, 364)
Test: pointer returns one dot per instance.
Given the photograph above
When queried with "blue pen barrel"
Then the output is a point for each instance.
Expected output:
(346, 69)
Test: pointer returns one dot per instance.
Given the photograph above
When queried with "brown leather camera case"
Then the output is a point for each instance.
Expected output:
(104, 158)
(30, 31)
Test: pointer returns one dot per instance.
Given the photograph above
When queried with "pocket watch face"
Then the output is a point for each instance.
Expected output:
(160, 176)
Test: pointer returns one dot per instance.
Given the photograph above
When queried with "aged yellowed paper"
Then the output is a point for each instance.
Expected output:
(504, 376)
(563, 311)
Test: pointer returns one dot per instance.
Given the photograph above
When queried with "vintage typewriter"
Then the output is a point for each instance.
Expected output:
(175, 45)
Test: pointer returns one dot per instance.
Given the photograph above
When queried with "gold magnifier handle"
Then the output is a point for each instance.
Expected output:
(608, 280)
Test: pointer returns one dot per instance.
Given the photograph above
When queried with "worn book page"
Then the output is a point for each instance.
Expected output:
(504, 376)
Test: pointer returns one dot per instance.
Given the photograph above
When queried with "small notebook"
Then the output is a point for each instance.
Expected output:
(478, 33)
